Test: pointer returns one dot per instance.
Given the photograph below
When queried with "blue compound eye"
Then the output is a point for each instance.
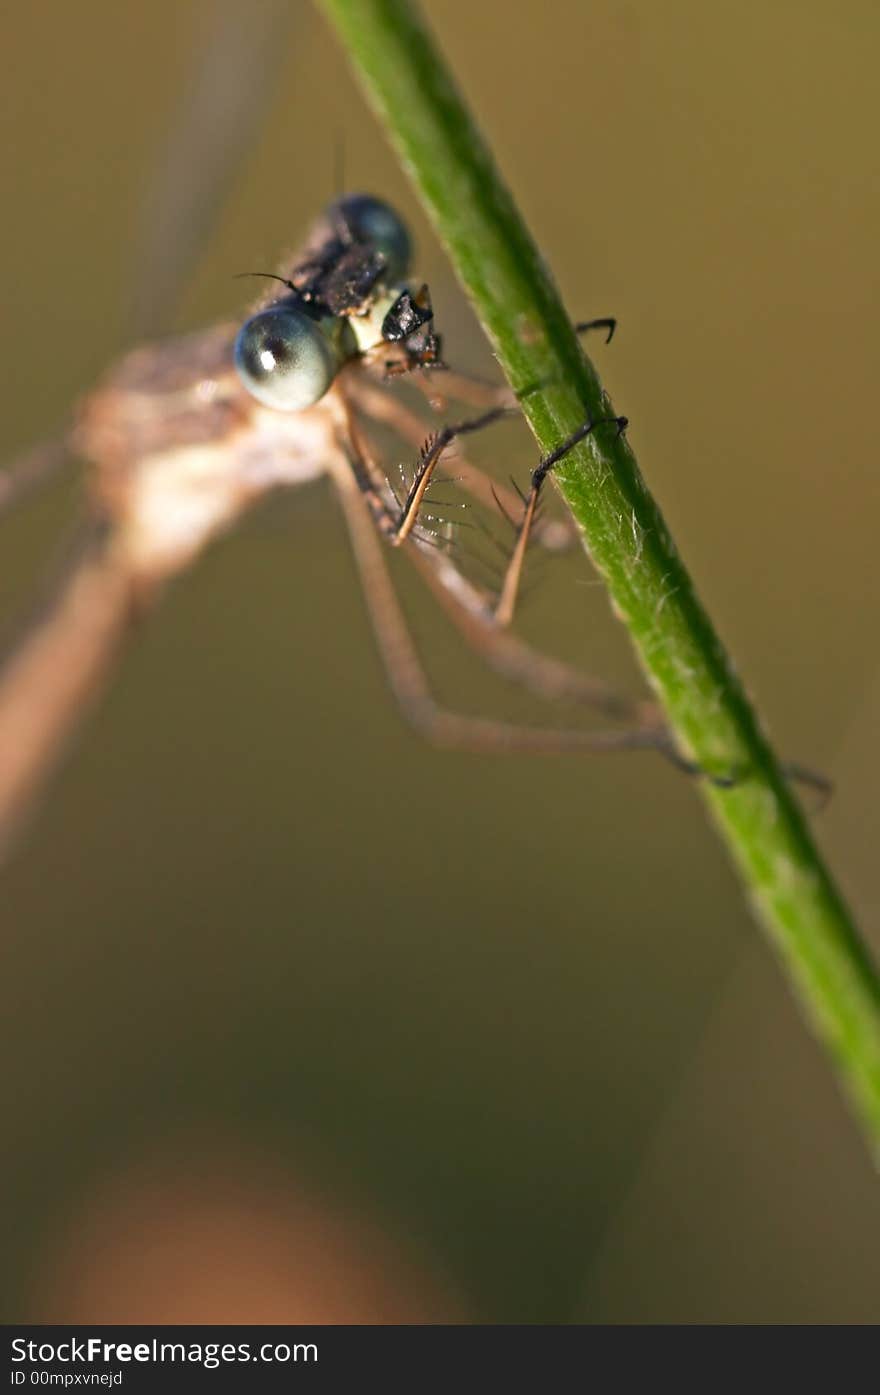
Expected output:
(284, 360)
(370, 220)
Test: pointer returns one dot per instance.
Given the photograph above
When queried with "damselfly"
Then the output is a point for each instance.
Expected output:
(181, 438)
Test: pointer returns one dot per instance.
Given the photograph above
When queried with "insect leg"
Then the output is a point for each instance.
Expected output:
(365, 473)
(608, 323)
(471, 611)
(517, 661)
(555, 534)
(430, 457)
(510, 587)
(397, 525)
(410, 686)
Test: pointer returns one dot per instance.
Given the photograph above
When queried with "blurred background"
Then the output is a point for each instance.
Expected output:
(303, 1020)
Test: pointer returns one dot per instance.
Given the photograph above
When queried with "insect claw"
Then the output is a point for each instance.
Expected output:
(609, 323)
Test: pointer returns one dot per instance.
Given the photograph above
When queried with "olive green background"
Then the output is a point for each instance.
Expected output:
(511, 1015)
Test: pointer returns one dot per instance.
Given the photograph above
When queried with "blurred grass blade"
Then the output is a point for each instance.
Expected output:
(624, 532)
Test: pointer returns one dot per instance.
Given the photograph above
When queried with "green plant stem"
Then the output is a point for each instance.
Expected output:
(411, 89)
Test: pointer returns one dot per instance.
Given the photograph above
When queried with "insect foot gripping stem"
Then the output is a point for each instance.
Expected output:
(543, 468)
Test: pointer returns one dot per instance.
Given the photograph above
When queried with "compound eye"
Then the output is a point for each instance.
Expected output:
(284, 360)
(370, 220)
